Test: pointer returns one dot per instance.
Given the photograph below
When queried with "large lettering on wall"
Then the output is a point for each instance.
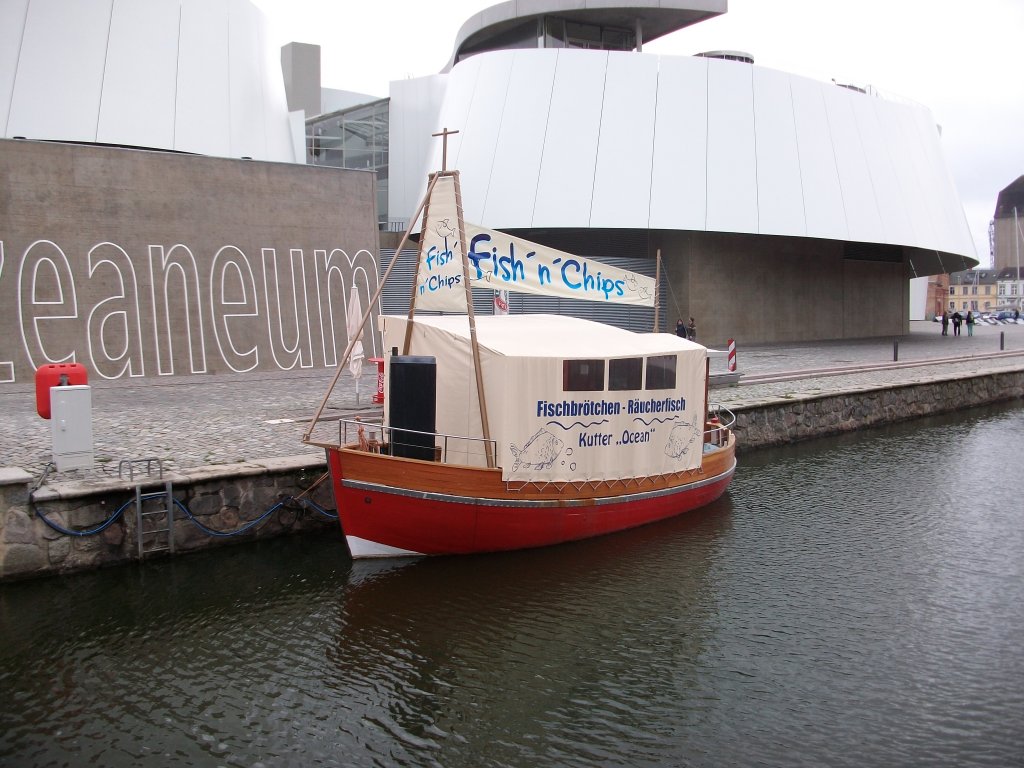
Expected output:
(114, 331)
(175, 300)
(47, 305)
(167, 309)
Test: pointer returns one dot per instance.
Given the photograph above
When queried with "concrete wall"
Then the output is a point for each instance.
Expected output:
(765, 289)
(300, 63)
(1009, 241)
(138, 263)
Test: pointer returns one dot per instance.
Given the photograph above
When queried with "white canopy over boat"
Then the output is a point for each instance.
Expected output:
(567, 400)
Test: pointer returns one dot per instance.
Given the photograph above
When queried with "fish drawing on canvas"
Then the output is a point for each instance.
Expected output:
(681, 438)
(540, 451)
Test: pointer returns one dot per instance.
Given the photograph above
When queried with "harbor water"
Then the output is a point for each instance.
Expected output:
(851, 601)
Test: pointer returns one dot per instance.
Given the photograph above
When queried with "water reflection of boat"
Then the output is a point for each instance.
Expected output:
(672, 553)
(519, 431)
(489, 649)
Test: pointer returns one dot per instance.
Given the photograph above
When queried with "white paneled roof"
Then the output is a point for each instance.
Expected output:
(188, 75)
(623, 140)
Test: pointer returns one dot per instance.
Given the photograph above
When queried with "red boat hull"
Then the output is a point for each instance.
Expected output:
(381, 519)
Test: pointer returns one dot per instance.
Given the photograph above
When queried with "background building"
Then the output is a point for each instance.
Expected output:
(1011, 288)
(192, 76)
(1008, 226)
(783, 208)
(153, 220)
(756, 186)
(974, 290)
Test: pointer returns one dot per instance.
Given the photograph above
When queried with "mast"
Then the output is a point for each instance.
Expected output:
(369, 309)
(481, 397)
(484, 423)
(657, 286)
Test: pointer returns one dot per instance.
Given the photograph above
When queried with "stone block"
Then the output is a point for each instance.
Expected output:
(230, 494)
(14, 476)
(58, 550)
(21, 560)
(13, 495)
(114, 535)
(19, 529)
(205, 504)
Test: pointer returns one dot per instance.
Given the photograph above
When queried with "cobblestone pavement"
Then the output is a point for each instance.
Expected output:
(196, 421)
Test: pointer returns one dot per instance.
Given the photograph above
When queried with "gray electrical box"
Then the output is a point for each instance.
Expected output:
(71, 426)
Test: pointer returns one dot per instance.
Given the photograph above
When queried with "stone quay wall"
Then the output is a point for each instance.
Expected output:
(789, 420)
(225, 497)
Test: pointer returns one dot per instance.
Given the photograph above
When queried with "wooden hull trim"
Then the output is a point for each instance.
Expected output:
(537, 503)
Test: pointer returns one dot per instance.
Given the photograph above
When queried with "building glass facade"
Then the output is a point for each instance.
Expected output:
(354, 138)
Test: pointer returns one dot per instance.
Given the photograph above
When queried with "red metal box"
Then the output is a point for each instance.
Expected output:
(52, 375)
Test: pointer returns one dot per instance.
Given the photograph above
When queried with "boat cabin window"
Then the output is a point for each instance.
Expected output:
(583, 375)
(661, 372)
(625, 374)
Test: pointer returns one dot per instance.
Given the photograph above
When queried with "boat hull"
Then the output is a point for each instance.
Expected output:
(393, 507)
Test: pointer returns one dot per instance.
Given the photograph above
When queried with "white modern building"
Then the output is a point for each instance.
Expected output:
(783, 208)
(196, 76)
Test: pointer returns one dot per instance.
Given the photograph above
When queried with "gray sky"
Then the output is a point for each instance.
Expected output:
(959, 59)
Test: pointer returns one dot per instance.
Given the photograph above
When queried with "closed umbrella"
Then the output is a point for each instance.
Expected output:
(353, 314)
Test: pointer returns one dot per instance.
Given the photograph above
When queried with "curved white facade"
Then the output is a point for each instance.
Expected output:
(187, 75)
(594, 139)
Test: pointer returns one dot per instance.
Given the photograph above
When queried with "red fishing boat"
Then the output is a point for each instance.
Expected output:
(504, 432)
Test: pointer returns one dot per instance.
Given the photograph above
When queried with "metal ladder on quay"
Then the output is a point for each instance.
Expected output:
(154, 521)
(152, 534)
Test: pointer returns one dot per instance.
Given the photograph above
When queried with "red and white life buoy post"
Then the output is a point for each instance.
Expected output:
(732, 355)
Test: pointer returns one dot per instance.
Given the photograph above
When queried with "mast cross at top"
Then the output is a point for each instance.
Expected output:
(444, 146)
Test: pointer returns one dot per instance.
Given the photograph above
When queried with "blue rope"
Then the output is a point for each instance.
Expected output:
(316, 508)
(91, 531)
(304, 503)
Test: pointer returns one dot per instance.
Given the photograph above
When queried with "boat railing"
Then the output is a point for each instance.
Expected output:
(720, 421)
(376, 437)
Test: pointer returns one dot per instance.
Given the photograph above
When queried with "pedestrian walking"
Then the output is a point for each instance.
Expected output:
(680, 328)
(970, 323)
(691, 330)
(958, 320)
(945, 323)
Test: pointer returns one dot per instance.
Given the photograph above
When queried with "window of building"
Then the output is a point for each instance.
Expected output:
(952, 290)
(661, 372)
(583, 375)
(559, 33)
(625, 374)
(356, 137)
